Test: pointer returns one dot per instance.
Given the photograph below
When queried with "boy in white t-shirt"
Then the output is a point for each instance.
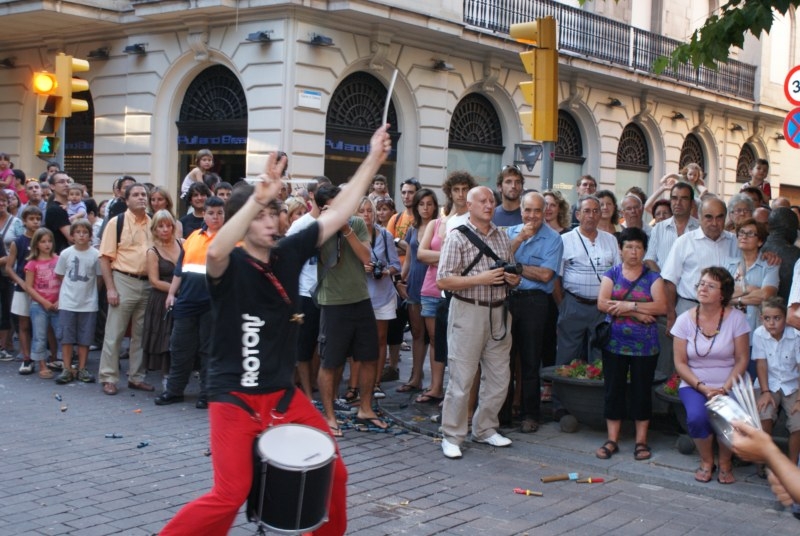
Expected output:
(78, 267)
(776, 351)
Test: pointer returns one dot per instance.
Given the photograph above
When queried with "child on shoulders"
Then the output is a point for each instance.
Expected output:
(76, 208)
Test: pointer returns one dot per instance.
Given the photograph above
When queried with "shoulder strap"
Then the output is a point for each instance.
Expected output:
(577, 232)
(483, 248)
(120, 224)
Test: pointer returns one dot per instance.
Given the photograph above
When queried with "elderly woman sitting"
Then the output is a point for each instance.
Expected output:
(711, 347)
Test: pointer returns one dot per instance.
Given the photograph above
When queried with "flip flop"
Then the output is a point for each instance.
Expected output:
(377, 422)
(604, 452)
(725, 477)
(426, 398)
(408, 388)
(704, 475)
(336, 431)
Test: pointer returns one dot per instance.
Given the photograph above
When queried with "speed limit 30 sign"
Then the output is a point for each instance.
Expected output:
(791, 86)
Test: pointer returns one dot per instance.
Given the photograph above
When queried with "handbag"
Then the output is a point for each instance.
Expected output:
(602, 332)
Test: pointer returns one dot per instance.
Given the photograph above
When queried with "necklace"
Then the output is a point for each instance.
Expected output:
(713, 337)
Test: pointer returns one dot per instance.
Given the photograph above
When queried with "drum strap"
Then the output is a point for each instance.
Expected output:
(229, 398)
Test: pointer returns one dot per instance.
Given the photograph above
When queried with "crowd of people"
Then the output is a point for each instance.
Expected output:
(494, 284)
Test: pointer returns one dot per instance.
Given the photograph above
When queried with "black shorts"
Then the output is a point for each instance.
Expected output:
(309, 330)
(347, 330)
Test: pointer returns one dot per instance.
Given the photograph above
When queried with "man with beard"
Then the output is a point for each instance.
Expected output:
(510, 183)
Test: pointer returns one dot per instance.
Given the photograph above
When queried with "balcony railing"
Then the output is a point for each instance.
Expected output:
(602, 39)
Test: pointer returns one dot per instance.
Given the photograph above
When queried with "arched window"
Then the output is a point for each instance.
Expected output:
(213, 115)
(632, 152)
(747, 157)
(569, 147)
(476, 139)
(354, 112)
(692, 152)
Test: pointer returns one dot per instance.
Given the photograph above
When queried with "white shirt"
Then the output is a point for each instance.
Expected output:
(663, 236)
(579, 276)
(783, 358)
(691, 254)
(455, 221)
(308, 275)
(794, 293)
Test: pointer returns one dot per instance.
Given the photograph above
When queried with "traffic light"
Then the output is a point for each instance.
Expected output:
(46, 140)
(67, 85)
(542, 64)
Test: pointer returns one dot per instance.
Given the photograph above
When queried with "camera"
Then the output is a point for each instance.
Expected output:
(377, 269)
(509, 268)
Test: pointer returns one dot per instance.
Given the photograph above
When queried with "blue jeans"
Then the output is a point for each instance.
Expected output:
(40, 319)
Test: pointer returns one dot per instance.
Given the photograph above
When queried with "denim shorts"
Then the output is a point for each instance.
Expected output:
(429, 305)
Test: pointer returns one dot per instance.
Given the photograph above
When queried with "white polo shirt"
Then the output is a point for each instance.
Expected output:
(579, 276)
(662, 238)
(691, 254)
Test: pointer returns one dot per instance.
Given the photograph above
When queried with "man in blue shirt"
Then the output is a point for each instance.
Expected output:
(510, 183)
(538, 248)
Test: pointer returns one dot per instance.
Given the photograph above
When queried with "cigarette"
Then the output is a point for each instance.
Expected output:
(520, 491)
(590, 481)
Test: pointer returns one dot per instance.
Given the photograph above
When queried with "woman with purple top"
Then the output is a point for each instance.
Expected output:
(711, 347)
(632, 296)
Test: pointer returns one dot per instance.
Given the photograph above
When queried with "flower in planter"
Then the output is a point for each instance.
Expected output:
(581, 370)
(671, 387)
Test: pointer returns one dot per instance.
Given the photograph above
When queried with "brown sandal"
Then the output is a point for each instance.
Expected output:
(704, 475)
(605, 453)
(642, 452)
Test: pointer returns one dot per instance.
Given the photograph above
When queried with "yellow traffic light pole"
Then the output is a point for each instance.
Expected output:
(541, 92)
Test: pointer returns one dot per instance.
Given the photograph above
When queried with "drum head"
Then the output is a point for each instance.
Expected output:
(295, 446)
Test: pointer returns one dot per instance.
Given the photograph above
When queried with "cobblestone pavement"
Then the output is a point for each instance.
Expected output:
(61, 475)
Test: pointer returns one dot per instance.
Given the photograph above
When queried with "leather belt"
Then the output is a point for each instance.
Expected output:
(479, 302)
(135, 276)
(580, 299)
(527, 292)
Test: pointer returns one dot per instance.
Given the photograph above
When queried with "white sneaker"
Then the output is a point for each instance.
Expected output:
(495, 440)
(450, 450)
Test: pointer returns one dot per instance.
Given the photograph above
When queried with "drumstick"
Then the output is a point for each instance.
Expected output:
(389, 97)
(254, 180)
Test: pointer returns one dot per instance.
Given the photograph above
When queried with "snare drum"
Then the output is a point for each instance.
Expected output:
(292, 478)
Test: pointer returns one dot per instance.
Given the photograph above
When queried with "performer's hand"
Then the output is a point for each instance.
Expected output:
(777, 488)
(270, 185)
(380, 145)
(750, 443)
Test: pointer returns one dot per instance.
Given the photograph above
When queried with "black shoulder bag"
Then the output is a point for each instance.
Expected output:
(483, 248)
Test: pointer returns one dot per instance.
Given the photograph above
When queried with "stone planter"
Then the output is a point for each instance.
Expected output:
(675, 404)
(584, 399)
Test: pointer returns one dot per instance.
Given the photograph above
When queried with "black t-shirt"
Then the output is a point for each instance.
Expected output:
(56, 217)
(254, 342)
(191, 223)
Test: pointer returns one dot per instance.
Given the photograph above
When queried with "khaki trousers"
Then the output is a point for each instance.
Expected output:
(133, 295)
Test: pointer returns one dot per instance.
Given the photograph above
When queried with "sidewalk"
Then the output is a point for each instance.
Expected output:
(61, 475)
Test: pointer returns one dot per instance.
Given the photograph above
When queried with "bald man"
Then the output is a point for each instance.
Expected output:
(479, 325)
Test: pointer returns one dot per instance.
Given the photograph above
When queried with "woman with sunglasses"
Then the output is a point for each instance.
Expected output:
(711, 348)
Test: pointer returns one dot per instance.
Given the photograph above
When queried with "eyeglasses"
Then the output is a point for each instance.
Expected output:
(706, 284)
(741, 211)
(746, 234)
(513, 167)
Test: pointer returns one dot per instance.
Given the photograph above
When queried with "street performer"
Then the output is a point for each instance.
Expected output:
(254, 299)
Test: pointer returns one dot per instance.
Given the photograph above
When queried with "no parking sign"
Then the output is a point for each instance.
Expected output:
(791, 125)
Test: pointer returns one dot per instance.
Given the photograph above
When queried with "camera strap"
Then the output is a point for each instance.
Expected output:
(483, 248)
(383, 232)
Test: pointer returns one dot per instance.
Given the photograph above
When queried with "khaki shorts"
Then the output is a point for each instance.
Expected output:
(781, 401)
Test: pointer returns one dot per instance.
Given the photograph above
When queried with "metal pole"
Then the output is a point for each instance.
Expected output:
(62, 129)
(548, 151)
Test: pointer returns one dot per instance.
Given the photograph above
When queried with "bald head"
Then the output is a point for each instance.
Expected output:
(712, 217)
(480, 205)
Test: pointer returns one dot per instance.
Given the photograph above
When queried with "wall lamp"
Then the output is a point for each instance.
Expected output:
(319, 40)
(98, 54)
(441, 65)
(614, 102)
(677, 115)
(8, 63)
(259, 37)
(779, 136)
(137, 48)
(736, 127)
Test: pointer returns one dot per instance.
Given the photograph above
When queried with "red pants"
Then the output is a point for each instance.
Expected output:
(233, 431)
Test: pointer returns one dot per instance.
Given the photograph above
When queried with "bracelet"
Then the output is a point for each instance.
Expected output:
(265, 205)
(348, 234)
(697, 386)
(740, 301)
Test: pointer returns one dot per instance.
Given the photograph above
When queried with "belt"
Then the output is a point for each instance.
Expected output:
(584, 301)
(135, 276)
(479, 302)
(688, 299)
(528, 292)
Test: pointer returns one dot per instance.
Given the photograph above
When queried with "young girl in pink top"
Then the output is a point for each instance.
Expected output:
(43, 286)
